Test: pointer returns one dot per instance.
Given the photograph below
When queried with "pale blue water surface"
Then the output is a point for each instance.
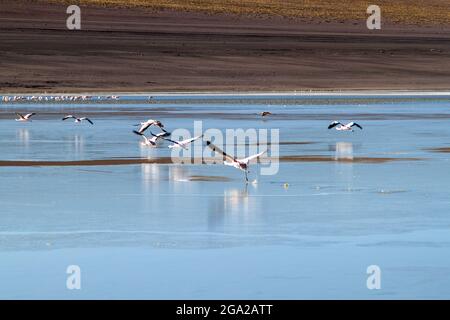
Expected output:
(147, 231)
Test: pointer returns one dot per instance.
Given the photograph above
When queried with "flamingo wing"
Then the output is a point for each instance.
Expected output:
(187, 141)
(145, 126)
(147, 140)
(87, 119)
(217, 149)
(354, 124)
(161, 135)
(248, 159)
(164, 133)
(68, 117)
(333, 124)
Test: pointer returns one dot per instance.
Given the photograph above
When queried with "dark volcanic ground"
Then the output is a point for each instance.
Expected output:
(138, 50)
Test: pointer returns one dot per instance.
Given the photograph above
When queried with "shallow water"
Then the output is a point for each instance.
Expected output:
(155, 230)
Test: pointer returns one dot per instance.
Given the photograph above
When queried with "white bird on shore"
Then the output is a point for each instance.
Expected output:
(147, 124)
(341, 127)
(152, 141)
(184, 143)
(241, 164)
(77, 120)
(24, 118)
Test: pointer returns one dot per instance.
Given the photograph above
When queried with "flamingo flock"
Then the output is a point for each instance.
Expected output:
(242, 164)
(57, 98)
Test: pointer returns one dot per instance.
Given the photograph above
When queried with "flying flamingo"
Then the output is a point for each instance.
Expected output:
(151, 141)
(341, 127)
(241, 164)
(24, 118)
(147, 124)
(182, 144)
(77, 120)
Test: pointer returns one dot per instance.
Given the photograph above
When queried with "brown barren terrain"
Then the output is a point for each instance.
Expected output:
(404, 11)
(223, 46)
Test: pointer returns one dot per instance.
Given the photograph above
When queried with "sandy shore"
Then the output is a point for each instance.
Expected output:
(169, 160)
(137, 50)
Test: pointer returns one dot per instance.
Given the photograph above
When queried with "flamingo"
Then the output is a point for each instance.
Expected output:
(151, 141)
(241, 164)
(147, 124)
(77, 120)
(341, 127)
(24, 118)
(182, 144)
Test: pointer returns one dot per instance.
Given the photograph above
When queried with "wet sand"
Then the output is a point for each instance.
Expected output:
(209, 178)
(169, 160)
(440, 150)
(138, 50)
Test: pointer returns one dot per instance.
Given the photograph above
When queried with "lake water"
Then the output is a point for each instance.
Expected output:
(340, 202)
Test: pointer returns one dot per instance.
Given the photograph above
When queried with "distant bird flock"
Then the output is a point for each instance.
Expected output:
(57, 98)
(241, 164)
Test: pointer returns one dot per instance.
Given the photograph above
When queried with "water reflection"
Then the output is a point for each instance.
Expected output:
(79, 145)
(154, 172)
(148, 151)
(150, 172)
(236, 201)
(23, 135)
(234, 211)
(151, 176)
(178, 174)
(343, 150)
(344, 171)
(179, 180)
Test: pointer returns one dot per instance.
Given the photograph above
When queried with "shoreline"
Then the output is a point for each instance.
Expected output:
(306, 93)
(199, 161)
